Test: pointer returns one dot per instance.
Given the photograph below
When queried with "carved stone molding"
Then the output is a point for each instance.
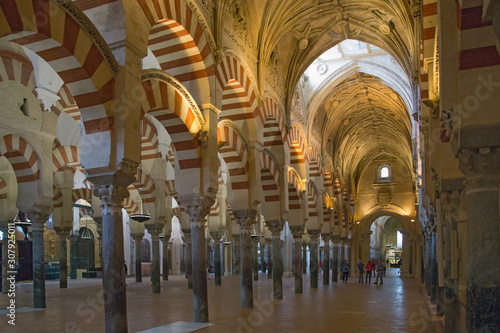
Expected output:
(275, 226)
(111, 197)
(314, 234)
(297, 231)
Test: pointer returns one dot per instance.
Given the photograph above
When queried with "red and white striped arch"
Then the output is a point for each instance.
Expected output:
(15, 67)
(149, 141)
(345, 194)
(66, 156)
(66, 104)
(327, 182)
(22, 157)
(269, 176)
(298, 147)
(274, 127)
(294, 189)
(234, 154)
(180, 44)
(170, 189)
(312, 199)
(130, 206)
(171, 108)
(239, 100)
(312, 160)
(145, 184)
(337, 187)
(67, 44)
(82, 193)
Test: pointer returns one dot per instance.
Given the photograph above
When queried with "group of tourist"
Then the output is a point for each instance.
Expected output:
(372, 265)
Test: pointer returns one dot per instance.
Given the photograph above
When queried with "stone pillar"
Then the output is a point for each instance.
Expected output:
(189, 256)
(37, 226)
(236, 254)
(269, 258)
(342, 248)
(216, 235)
(326, 258)
(304, 258)
(275, 226)
(255, 254)
(183, 257)
(198, 208)
(72, 255)
(114, 291)
(245, 218)
(335, 257)
(297, 232)
(428, 270)
(314, 234)
(480, 167)
(450, 201)
(262, 254)
(138, 256)
(433, 266)
(98, 224)
(365, 246)
(166, 256)
(348, 256)
(63, 233)
(155, 266)
(4, 227)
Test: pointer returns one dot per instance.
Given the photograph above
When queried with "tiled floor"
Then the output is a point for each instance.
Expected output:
(397, 306)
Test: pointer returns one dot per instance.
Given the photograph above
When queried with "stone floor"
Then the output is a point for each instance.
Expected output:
(399, 305)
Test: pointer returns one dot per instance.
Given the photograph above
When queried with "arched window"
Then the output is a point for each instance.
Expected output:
(384, 173)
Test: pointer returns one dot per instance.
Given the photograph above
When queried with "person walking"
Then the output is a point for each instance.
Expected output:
(369, 269)
(361, 267)
(380, 272)
(345, 269)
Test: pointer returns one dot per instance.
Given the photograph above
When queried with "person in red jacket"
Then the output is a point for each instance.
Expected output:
(369, 269)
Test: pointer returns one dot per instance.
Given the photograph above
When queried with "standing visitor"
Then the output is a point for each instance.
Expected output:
(369, 269)
(360, 266)
(345, 269)
(380, 272)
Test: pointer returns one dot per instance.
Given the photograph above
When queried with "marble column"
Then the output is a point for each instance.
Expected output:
(245, 218)
(189, 256)
(255, 254)
(275, 226)
(450, 201)
(348, 243)
(98, 224)
(262, 243)
(217, 235)
(269, 258)
(342, 248)
(481, 167)
(183, 257)
(314, 234)
(166, 256)
(433, 266)
(335, 258)
(236, 254)
(326, 258)
(5, 254)
(72, 255)
(113, 279)
(428, 264)
(155, 266)
(138, 256)
(304, 258)
(37, 226)
(63, 233)
(297, 232)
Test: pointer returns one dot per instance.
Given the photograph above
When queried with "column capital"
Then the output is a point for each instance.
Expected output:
(348, 241)
(275, 226)
(268, 240)
(236, 239)
(326, 236)
(197, 208)
(137, 237)
(480, 167)
(63, 231)
(314, 234)
(343, 240)
(335, 239)
(154, 230)
(297, 231)
(216, 235)
(255, 239)
(111, 197)
(245, 218)
(165, 238)
(187, 235)
(38, 218)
